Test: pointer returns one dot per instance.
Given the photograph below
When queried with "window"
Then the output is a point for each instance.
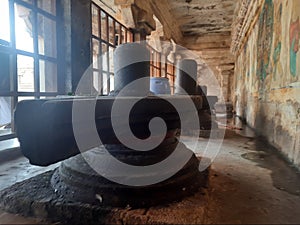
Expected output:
(170, 72)
(156, 63)
(28, 55)
(107, 34)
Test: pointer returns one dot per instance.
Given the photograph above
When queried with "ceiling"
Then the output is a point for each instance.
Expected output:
(203, 26)
(202, 17)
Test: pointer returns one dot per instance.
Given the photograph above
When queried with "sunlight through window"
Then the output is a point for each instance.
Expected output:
(4, 22)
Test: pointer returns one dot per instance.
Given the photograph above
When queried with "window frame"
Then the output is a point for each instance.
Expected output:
(13, 52)
(107, 43)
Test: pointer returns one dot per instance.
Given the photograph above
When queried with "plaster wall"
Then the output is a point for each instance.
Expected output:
(267, 77)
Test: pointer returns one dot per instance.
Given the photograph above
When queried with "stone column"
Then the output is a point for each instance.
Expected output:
(226, 84)
(81, 29)
(166, 50)
(138, 16)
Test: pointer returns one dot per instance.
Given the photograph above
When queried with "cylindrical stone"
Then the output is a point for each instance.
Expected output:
(201, 90)
(186, 77)
(132, 69)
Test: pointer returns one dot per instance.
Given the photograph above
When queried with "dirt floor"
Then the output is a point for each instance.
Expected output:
(249, 183)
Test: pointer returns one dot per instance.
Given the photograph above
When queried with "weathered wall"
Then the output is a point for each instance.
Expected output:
(267, 77)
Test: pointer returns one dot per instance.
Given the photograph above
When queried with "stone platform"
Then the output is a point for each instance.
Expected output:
(36, 198)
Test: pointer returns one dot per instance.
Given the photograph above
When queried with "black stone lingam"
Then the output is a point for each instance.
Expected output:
(46, 133)
(186, 77)
(205, 114)
(186, 84)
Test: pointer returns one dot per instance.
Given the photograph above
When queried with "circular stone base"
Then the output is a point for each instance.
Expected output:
(75, 180)
(36, 198)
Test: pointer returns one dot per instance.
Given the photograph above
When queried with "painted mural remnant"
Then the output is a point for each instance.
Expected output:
(277, 41)
(246, 61)
(294, 45)
(265, 38)
(272, 103)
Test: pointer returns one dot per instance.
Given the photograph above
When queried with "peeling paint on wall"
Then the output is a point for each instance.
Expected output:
(267, 76)
(294, 38)
(294, 45)
(277, 39)
(266, 22)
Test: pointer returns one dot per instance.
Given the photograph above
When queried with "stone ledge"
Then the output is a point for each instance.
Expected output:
(10, 154)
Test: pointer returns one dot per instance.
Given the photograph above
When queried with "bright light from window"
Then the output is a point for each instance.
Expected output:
(24, 40)
(4, 20)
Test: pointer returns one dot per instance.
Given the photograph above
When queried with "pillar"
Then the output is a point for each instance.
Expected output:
(81, 29)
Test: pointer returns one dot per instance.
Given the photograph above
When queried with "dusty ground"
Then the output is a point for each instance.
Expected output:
(249, 183)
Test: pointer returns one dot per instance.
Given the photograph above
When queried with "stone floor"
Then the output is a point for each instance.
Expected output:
(249, 183)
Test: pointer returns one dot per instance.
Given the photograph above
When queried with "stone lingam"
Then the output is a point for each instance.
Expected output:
(186, 83)
(99, 171)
